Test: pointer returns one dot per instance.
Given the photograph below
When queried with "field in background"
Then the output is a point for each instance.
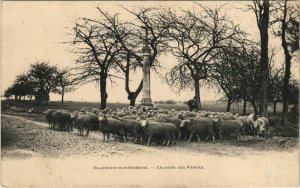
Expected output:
(215, 106)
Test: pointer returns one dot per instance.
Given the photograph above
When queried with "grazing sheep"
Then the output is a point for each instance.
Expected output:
(228, 126)
(48, 113)
(199, 126)
(157, 131)
(56, 118)
(94, 122)
(261, 126)
(66, 121)
(84, 109)
(178, 131)
(248, 123)
(82, 122)
(173, 131)
(228, 117)
(132, 117)
(95, 111)
(133, 127)
(236, 115)
(75, 114)
(109, 125)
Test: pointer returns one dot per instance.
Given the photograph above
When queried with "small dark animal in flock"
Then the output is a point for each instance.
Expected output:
(159, 131)
(59, 119)
(180, 131)
(196, 127)
(229, 126)
(133, 128)
(248, 124)
(111, 126)
(82, 122)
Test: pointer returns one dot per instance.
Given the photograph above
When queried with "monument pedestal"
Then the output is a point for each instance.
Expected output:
(146, 102)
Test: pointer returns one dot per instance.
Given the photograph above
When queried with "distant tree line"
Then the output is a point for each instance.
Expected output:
(39, 81)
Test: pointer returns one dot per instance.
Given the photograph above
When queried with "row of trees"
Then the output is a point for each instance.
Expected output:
(39, 81)
(110, 46)
(210, 49)
(236, 75)
(208, 45)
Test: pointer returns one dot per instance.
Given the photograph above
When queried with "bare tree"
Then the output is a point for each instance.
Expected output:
(248, 75)
(148, 29)
(275, 80)
(287, 15)
(152, 30)
(131, 58)
(196, 41)
(65, 84)
(97, 51)
(235, 73)
(261, 10)
(224, 73)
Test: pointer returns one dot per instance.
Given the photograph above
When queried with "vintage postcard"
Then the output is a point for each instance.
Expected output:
(150, 93)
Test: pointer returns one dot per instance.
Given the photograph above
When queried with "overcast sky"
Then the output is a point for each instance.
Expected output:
(34, 31)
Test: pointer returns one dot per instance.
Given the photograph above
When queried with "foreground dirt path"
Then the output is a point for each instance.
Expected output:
(32, 154)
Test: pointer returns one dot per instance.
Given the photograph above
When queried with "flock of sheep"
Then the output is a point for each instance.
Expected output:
(157, 125)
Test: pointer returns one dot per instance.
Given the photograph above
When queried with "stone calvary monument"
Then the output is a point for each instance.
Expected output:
(146, 98)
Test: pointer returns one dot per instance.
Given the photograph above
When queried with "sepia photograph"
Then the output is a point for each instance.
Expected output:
(150, 93)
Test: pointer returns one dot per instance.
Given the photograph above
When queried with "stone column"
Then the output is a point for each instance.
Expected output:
(146, 99)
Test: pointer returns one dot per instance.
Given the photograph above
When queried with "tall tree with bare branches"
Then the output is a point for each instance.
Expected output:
(147, 29)
(65, 83)
(261, 10)
(196, 41)
(131, 50)
(287, 15)
(97, 51)
(224, 73)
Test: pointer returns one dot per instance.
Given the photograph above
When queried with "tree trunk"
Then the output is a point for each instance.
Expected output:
(254, 107)
(133, 95)
(132, 102)
(62, 97)
(245, 107)
(228, 105)
(287, 72)
(274, 110)
(30, 98)
(286, 91)
(197, 94)
(264, 68)
(103, 94)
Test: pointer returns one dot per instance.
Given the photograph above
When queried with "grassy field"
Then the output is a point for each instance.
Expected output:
(215, 106)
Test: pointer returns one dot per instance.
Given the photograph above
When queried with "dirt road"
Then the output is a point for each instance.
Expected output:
(30, 149)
